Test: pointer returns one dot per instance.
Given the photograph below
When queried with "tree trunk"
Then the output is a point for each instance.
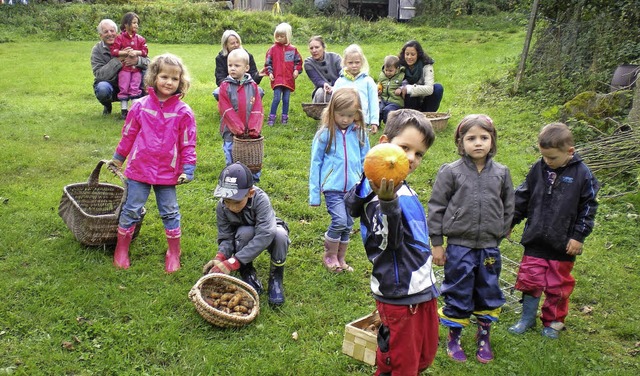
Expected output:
(634, 114)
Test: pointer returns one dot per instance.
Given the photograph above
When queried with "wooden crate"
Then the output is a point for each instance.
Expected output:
(360, 343)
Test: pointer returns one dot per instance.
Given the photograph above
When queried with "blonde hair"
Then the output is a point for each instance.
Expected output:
(225, 37)
(354, 49)
(156, 66)
(284, 28)
(239, 53)
(343, 99)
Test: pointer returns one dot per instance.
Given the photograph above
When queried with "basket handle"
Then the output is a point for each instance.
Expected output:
(94, 180)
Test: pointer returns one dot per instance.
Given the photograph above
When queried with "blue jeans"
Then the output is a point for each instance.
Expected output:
(385, 108)
(278, 93)
(137, 195)
(104, 92)
(341, 221)
(430, 103)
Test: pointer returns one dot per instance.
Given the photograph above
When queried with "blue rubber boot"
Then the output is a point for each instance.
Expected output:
(276, 288)
(553, 330)
(528, 318)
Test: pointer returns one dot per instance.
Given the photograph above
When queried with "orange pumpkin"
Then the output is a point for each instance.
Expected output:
(386, 161)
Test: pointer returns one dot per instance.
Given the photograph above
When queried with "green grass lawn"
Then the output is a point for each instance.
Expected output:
(140, 321)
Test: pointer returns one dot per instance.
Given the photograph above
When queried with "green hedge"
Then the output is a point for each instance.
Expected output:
(194, 23)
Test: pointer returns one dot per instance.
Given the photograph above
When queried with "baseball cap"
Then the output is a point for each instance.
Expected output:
(234, 182)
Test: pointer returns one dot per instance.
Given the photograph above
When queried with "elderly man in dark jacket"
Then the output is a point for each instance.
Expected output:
(106, 67)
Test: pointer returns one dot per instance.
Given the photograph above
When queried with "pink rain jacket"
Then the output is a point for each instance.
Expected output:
(158, 139)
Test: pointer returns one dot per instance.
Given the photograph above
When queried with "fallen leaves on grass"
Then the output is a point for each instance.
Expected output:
(587, 310)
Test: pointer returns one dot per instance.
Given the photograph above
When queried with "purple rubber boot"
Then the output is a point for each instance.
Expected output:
(484, 353)
(454, 350)
(272, 120)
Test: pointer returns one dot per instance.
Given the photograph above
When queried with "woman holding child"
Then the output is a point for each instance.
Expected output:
(323, 69)
(421, 93)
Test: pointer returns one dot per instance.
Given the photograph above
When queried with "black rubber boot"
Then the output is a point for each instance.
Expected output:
(107, 109)
(249, 275)
(276, 289)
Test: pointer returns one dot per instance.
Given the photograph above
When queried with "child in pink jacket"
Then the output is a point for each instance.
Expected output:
(129, 43)
(159, 138)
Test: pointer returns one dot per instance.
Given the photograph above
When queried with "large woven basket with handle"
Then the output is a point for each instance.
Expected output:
(206, 295)
(249, 151)
(91, 209)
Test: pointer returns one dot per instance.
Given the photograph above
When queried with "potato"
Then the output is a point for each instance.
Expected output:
(234, 301)
(226, 296)
(247, 302)
(240, 308)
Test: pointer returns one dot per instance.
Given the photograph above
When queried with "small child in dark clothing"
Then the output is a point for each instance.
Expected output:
(247, 225)
(558, 198)
(390, 82)
(394, 231)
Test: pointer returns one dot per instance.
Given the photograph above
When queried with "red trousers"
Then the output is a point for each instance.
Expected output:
(408, 338)
(538, 275)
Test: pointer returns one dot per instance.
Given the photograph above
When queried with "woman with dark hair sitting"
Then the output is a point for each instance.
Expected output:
(421, 93)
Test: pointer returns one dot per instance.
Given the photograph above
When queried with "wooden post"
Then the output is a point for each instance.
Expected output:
(527, 42)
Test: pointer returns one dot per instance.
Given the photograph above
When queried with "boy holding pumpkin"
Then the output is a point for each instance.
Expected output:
(394, 231)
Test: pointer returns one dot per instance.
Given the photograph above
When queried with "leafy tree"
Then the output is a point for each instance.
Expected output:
(580, 43)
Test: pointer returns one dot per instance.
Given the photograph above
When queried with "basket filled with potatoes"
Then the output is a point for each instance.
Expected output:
(225, 301)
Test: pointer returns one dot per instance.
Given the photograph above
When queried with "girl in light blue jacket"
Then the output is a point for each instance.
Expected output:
(337, 157)
(355, 74)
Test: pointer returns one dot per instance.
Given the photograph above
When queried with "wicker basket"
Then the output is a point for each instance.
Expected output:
(91, 209)
(249, 151)
(314, 110)
(360, 341)
(217, 282)
(438, 120)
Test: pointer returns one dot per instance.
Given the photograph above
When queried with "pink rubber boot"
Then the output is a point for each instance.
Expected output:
(121, 254)
(342, 252)
(330, 257)
(172, 257)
